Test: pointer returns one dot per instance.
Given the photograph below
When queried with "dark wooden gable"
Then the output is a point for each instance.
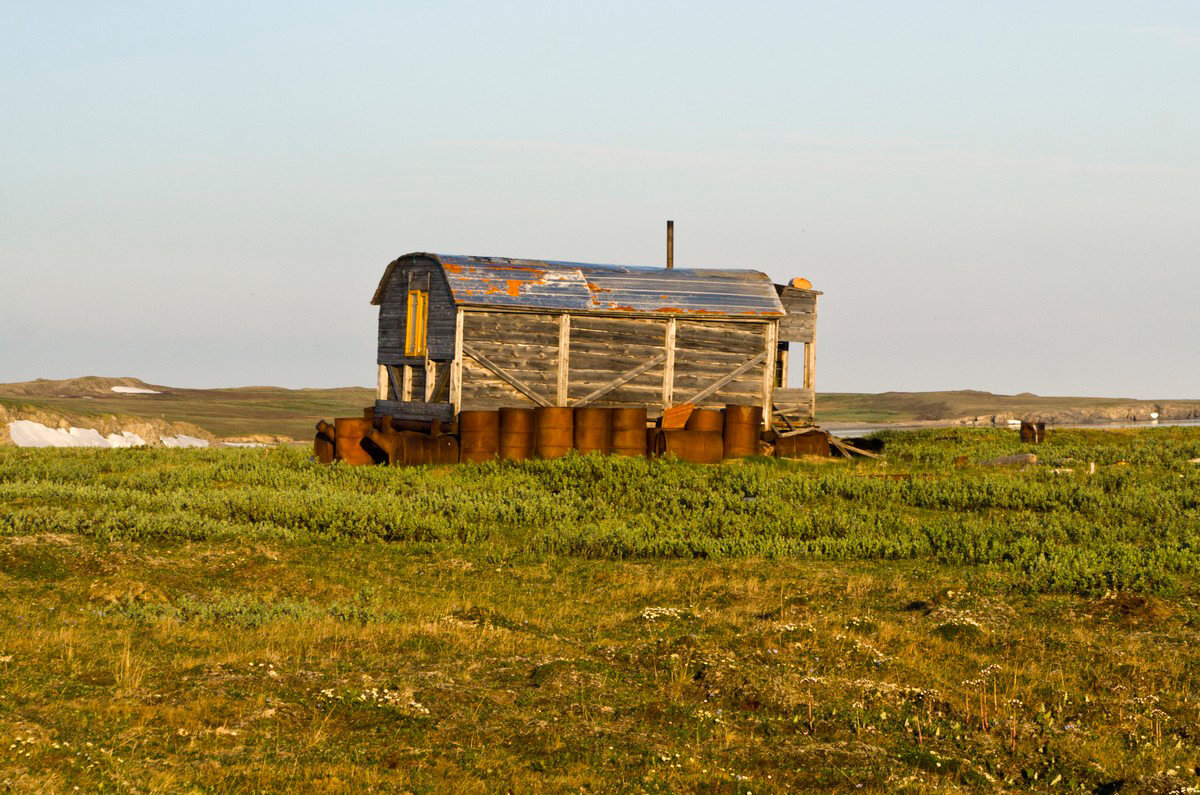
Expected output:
(412, 273)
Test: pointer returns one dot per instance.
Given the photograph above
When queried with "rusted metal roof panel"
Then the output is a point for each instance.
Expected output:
(582, 287)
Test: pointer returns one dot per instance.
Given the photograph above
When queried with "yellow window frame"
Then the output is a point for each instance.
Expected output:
(416, 331)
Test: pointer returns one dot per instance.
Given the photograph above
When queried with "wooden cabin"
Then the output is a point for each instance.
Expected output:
(461, 333)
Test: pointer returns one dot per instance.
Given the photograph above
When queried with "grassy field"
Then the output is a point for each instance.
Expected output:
(247, 620)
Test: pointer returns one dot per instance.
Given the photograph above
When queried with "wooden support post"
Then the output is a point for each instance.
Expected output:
(782, 367)
(668, 389)
(457, 365)
(406, 383)
(381, 383)
(431, 369)
(564, 360)
(771, 345)
(810, 371)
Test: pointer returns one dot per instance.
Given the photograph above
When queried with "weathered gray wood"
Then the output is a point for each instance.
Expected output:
(668, 383)
(520, 386)
(444, 371)
(456, 367)
(792, 396)
(430, 369)
(414, 410)
(394, 378)
(725, 379)
(421, 273)
(624, 378)
(563, 364)
(770, 349)
(797, 328)
(381, 383)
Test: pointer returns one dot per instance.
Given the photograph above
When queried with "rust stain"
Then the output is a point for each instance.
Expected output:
(514, 287)
(452, 267)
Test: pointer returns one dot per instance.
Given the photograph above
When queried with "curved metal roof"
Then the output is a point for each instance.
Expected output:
(583, 287)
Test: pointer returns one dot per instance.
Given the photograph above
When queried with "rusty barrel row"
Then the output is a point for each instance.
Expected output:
(711, 435)
(515, 434)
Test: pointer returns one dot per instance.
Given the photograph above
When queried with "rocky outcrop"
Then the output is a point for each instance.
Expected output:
(149, 430)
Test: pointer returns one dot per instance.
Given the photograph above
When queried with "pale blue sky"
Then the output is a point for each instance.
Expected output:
(996, 195)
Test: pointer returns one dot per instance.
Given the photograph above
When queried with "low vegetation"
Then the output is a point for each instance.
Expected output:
(250, 620)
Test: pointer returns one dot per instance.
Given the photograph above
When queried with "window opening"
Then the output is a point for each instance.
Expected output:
(417, 323)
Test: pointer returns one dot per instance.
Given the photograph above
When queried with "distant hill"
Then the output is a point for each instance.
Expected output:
(267, 411)
(225, 413)
(974, 407)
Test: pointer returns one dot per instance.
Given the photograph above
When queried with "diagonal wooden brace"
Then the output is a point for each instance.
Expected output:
(725, 379)
(621, 380)
(515, 383)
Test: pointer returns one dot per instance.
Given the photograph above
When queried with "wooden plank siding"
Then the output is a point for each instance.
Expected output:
(524, 345)
(415, 274)
(708, 350)
(604, 347)
(800, 323)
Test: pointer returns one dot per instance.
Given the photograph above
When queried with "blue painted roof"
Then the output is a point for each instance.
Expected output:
(583, 287)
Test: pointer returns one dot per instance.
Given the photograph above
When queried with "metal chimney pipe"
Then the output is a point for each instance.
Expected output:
(670, 245)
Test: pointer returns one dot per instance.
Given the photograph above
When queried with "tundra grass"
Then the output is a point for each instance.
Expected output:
(248, 620)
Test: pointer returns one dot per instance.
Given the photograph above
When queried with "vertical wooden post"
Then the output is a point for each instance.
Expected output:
(430, 378)
(782, 367)
(810, 371)
(381, 383)
(564, 360)
(668, 389)
(406, 383)
(770, 341)
(456, 366)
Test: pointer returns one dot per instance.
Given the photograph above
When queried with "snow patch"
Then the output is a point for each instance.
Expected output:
(183, 440)
(135, 390)
(27, 433)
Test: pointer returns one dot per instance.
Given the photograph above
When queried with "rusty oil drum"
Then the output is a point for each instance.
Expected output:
(347, 444)
(698, 447)
(382, 444)
(518, 432)
(593, 430)
(629, 431)
(743, 426)
(705, 420)
(323, 443)
(478, 435)
(555, 431)
(419, 449)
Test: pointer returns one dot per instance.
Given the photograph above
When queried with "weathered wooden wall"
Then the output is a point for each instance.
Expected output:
(800, 324)
(599, 351)
(416, 273)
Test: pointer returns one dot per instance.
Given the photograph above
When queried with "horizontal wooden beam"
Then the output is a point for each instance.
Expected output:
(621, 380)
(725, 379)
(499, 372)
(414, 410)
